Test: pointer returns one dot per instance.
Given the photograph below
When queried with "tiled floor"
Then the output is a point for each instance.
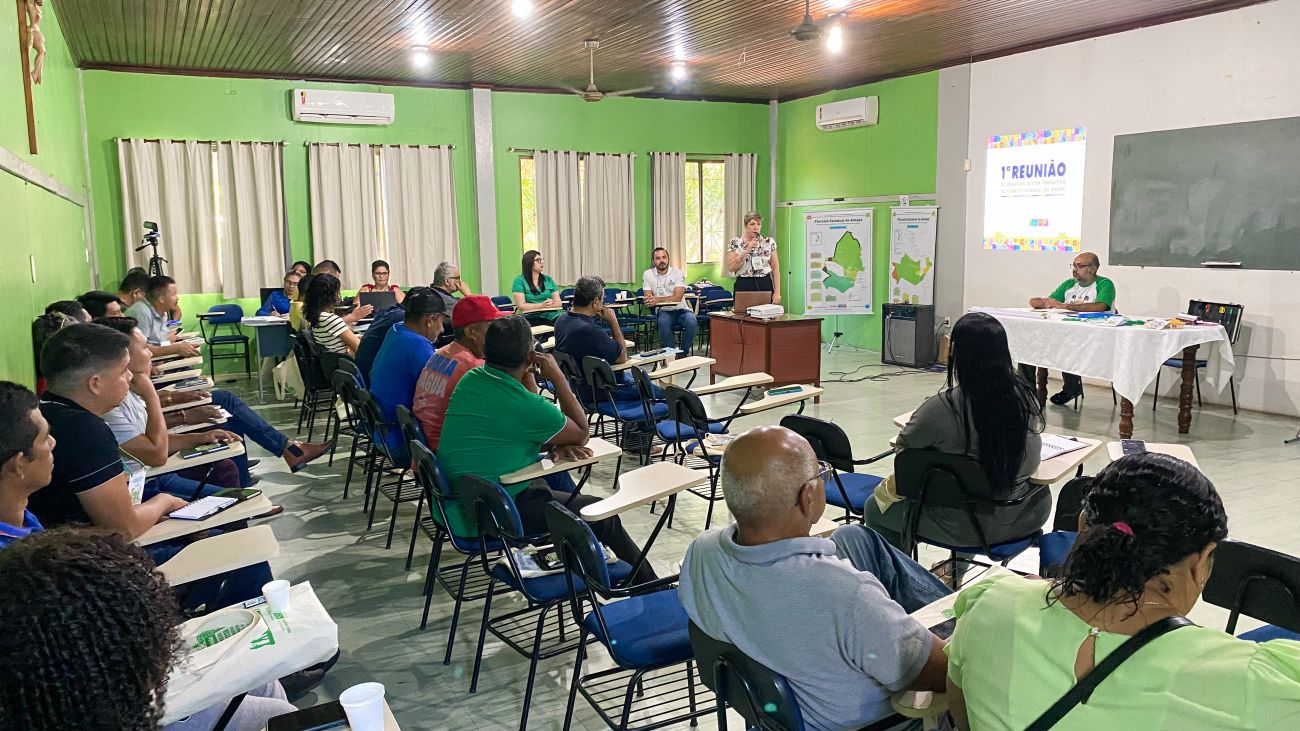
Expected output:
(377, 603)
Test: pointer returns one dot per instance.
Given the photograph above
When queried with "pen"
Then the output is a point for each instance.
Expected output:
(202, 484)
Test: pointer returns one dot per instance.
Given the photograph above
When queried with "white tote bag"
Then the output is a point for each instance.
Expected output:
(237, 649)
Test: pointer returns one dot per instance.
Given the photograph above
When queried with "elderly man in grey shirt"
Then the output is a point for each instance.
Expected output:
(829, 615)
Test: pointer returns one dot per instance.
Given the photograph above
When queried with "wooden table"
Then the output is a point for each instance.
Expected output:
(187, 405)
(643, 486)
(171, 363)
(221, 553)
(1114, 450)
(601, 450)
(176, 462)
(788, 347)
(732, 383)
(633, 360)
(173, 528)
(801, 396)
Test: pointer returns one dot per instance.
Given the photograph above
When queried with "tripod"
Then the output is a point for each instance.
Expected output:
(155, 262)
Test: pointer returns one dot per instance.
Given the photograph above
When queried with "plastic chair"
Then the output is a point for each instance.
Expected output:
(645, 630)
(689, 421)
(318, 389)
(503, 303)
(438, 495)
(624, 414)
(413, 432)
(1227, 315)
(497, 518)
(930, 478)
(1257, 582)
(230, 317)
(398, 491)
(762, 697)
(850, 489)
(345, 386)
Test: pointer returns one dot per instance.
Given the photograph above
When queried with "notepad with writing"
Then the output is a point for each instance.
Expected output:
(1054, 446)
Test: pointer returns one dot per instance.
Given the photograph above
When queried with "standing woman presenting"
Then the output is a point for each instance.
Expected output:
(752, 259)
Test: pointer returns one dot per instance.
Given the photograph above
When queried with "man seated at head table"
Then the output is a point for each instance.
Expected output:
(1084, 291)
(279, 301)
(87, 369)
(102, 304)
(1148, 531)
(160, 296)
(664, 287)
(829, 615)
(498, 423)
(470, 320)
(591, 328)
(397, 367)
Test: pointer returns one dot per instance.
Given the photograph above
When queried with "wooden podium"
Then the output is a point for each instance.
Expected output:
(788, 347)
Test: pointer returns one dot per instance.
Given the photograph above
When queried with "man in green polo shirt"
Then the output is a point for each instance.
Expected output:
(1084, 291)
(497, 422)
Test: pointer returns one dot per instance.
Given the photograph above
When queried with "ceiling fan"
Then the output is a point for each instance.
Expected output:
(591, 93)
(808, 29)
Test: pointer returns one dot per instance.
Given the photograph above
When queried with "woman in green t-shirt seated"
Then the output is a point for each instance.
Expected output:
(1148, 530)
(535, 294)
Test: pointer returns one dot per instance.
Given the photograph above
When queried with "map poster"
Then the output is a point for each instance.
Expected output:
(912, 236)
(839, 262)
(1033, 191)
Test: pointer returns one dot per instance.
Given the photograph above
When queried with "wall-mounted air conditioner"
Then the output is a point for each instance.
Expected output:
(342, 107)
(859, 112)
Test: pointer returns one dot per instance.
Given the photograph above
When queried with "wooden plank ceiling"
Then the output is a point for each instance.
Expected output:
(737, 49)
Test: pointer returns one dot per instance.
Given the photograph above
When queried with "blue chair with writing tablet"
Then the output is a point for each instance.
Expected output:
(849, 490)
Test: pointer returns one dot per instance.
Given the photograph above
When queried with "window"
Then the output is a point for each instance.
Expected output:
(528, 197)
(706, 235)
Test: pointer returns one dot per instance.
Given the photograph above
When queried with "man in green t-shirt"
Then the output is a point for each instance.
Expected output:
(1084, 291)
(497, 422)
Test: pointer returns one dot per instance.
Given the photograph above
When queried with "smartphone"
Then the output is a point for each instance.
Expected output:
(548, 560)
(1133, 446)
(784, 390)
(944, 630)
(202, 449)
(316, 718)
(240, 494)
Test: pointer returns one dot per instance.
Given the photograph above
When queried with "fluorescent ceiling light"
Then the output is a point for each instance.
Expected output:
(835, 39)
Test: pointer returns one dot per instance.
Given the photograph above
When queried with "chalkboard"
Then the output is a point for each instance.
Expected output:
(1227, 192)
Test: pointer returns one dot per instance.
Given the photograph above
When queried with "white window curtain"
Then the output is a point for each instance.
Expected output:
(251, 199)
(419, 211)
(740, 170)
(169, 182)
(559, 214)
(610, 220)
(346, 211)
(668, 182)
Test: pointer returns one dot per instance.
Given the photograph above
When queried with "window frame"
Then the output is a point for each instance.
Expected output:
(697, 164)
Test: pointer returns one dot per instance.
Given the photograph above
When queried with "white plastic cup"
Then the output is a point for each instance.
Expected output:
(277, 595)
(364, 706)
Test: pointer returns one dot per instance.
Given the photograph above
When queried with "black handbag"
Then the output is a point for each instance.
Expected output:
(1083, 689)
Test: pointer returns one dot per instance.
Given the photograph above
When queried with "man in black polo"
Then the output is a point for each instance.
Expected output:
(588, 328)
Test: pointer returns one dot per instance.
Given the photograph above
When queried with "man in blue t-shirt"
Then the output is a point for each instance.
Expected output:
(373, 338)
(26, 460)
(406, 349)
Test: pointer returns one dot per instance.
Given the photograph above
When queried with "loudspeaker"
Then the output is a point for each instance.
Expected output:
(909, 335)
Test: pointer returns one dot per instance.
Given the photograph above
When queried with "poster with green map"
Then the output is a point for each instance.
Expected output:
(912, 236)
(839, 262)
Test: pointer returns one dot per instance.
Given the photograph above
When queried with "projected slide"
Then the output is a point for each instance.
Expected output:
(1033, 191)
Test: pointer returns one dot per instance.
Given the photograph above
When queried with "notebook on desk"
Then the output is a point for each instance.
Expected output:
(1054, 446)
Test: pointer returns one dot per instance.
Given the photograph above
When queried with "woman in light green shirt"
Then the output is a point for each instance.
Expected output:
(1149, 527)
(535, 294)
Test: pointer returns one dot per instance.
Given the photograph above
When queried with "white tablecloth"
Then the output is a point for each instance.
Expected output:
(1127, 356)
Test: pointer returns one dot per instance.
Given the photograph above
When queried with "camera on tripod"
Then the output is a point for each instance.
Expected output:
(150, 238)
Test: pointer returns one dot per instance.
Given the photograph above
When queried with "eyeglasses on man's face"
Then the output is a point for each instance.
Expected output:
(824, 473)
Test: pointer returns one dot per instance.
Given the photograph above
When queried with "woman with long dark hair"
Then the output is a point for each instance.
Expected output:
(535, 294)
(988, 412)
(1148, 531)
(91, 637)
(330, 331)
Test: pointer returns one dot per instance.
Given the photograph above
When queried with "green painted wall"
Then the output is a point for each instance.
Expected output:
(202, 108)
(565, 122)
(894, 157)
(38, 225)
